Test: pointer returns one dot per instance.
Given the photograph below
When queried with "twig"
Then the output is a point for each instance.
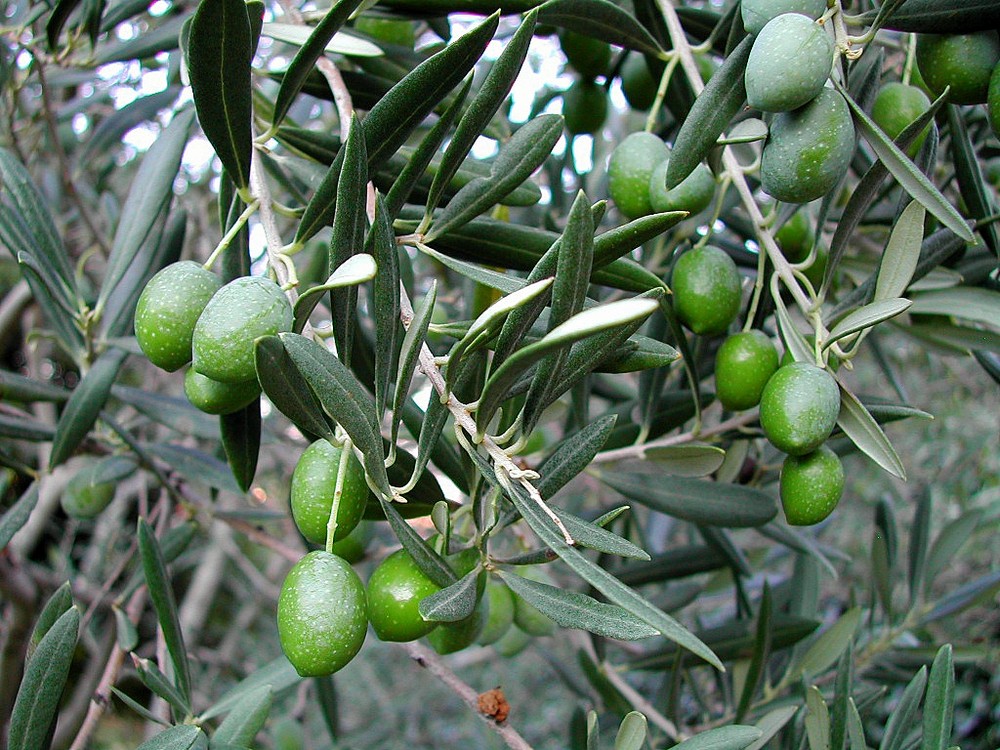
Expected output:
(638, 451)
(433, 664)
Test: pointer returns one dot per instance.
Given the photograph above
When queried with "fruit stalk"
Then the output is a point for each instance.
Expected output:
(346, 452)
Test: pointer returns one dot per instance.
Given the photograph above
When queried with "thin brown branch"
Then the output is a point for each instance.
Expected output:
(433, 664)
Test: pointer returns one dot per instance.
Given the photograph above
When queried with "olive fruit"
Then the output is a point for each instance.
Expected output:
(743, 365)
(896, 106)
(313, 483)
(795, 237)
(589, 57)
(213, 397)
(168, 309)
(811, 486)
(585, 107)
(513, 642)
(500, 613)
(706, 290)
(756, 13)
(964, 62)
(789, 63)
(638, 84)
(694, 193)
(808, 150)
(993, 101)
(352, 547)
(239, 313)
(395, 589)
(799, 407)
(630, 169)
(86, 494)
(322, 614)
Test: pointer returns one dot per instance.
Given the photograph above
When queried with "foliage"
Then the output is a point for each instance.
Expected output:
(452, 301)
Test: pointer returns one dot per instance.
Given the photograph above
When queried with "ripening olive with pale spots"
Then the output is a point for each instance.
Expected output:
(694, 193)
(449, 637)
(799, 408)
(395, 590)
(808, 150)
(964, 62)
(811, 486)
(756, 13)
(168, 309)
(795, 237)
(501, 612)
(789, 63)
(314, 482)
(630, 169)
(238, 314)
(213, 397)
(638, 84)
(322, 614)
(706, 290)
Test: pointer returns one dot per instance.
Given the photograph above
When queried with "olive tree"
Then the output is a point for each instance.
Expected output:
(505, 328)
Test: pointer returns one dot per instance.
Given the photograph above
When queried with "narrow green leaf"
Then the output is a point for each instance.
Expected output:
(906, 173)
(855, 729)
(592, 536)
(694, 500)
(140, 709)
(126, 634)
(571, 609)
(944, 16)
(220, 51)
(580, 326)
(866, 317)
(607, 584)
(632, 732)
(149, 195)
(770, 724)
(859, 425)
(341, 43)
(288, 390)
(160, 685)
(732, 737)
(452, 603)
(611, 245)
(518, 158)
(164, 38)
(241, 442)
(965, 596)
(307, 56)
(17, 515)
(409, 353)
(493, 279)
(602, 20)
(920, 536)
(245, 719)
(826, 649)
(32, 210)
(569, 292)
(381, 244)
(57, 20)
(972, 303)
(162, 595)
(429, 561)
(761, 654)
(692, 460)
(572, 455)
(971, 184)
(903, 716)
(948, 542)
(196, 466)
(45, 674)
(180, 737)
(343, 398)
(899, 260)
(484, 105)
(278, 675)
(939, 708)
(724, 95)
(56, 606)
(390, 122)
(349, 226)
(85, 404)
(817, 720)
